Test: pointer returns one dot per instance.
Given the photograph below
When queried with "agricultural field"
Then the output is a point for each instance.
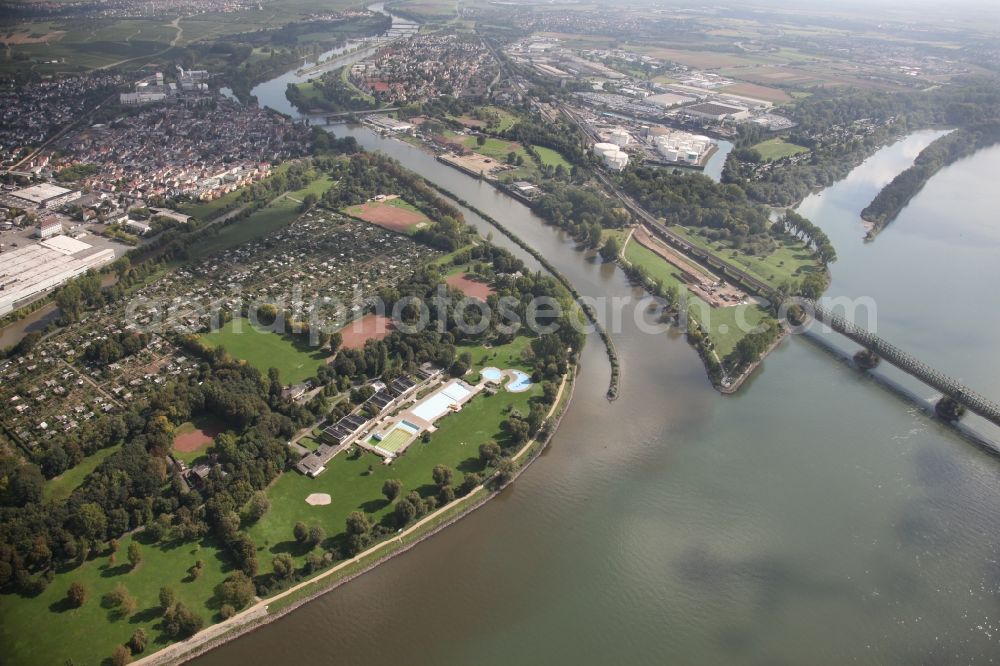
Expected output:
(756, 91)
(73, 46)
(775, 149)
(264, 350)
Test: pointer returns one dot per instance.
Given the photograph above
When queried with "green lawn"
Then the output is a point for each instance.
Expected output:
(61, 486)
(498, 149)
(208, 210)
(264, 350)
(87, 635)
(504, 119)
(309, 443)
(318, 186)
(509, 356)
(352, 488)
(790, 262)
(774, 149)
(726, 326)
(551, 157)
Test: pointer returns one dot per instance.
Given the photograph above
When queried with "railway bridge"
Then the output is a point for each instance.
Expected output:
(949, 387)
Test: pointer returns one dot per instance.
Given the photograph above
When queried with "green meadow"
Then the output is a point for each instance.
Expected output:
(264, 350)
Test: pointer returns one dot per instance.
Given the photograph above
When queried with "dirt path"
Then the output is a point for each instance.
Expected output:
(644, 238)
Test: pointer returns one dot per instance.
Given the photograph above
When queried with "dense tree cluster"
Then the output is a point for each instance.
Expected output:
(116, 347)
(557, 136)
(695, 200)
(581, 212)
(842, 127)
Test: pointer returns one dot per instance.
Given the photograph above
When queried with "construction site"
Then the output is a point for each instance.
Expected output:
(699, 280)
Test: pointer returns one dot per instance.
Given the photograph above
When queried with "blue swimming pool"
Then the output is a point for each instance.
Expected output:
(492, 374)
(521, 382)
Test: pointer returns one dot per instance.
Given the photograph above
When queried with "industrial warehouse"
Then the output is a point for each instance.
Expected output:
(30, 271)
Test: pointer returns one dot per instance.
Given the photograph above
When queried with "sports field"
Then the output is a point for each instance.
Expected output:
(393, 214)
(264, 350)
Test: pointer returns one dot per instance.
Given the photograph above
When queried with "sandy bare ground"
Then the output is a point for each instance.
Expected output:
(701, 282)
(470, 287)
(359, 331)
(387, 216)
(197, 438)
(318, 499)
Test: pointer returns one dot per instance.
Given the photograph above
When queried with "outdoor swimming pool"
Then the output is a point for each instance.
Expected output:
(439, 403)
(520, 383)
(492, 374)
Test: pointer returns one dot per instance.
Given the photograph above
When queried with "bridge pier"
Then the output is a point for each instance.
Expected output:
(949, 409)
(866, 359)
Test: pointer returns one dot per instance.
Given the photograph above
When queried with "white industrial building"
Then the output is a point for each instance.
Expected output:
(192, 79)
(717, 112)
(30, 271)
(45, 195)
(48, 226)
(141, 97)
(611, 155)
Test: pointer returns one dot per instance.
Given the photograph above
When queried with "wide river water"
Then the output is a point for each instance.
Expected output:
(814, 518)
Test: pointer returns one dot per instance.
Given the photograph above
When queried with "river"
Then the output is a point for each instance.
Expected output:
(812, 518)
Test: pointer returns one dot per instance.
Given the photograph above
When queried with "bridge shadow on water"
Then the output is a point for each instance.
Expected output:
(969, 434)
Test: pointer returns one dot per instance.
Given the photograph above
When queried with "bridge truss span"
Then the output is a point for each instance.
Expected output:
(909, 364)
